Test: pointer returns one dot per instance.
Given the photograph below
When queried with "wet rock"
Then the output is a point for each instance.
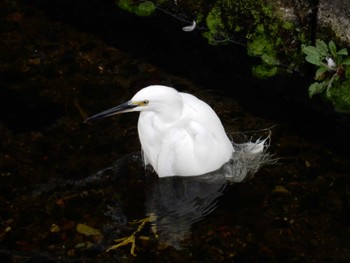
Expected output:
(334, 15)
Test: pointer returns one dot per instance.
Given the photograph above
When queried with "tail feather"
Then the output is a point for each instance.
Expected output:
(246, 160)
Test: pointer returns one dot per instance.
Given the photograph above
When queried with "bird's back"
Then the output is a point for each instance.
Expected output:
(199, 111)
(195, 144)
(204, 119)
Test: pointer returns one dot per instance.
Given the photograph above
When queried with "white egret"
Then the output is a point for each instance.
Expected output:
(179, 133)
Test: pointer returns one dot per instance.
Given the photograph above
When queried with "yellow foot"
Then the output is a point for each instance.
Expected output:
(125, 241)
(132, 238)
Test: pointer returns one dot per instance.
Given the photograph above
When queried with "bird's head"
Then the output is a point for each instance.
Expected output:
(152, 98)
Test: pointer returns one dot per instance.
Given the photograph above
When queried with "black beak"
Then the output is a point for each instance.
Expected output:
(125, 107)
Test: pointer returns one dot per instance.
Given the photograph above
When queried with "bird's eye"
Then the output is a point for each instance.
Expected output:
(145, 102)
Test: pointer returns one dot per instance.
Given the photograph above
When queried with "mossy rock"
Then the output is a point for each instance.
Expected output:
(257, 24)
(275, 41)
(141, 9)
(216, 27)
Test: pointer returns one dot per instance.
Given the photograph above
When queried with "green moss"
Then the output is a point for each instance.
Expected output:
(126, 5)
(267, 10)
(200, 17)
(288, 25)
(238, 29)
(143, 9)
(256, 20)
(264, 71)
(260, 45)
(273, 40)
(215, 25)
(269, 59)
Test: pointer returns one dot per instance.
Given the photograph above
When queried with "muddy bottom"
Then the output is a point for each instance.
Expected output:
(69, 190)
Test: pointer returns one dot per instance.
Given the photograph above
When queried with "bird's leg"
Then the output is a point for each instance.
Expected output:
(125, 241)
(132, 238)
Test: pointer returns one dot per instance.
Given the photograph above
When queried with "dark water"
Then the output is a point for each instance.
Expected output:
(68, 189)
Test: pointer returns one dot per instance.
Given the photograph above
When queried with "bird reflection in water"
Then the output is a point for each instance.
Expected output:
(173, 204)
(178, 202)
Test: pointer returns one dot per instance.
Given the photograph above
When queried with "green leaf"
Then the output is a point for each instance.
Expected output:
(340, 97)
(332, 48)
(315, 88)
(345, 61)
(322, 47)
(334, 78)
(314, 59)
(328, 93)
(338, 60)
(320, 73)
(311, 51)
(343, 52)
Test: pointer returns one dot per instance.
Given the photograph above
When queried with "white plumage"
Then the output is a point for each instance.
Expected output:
(180, 134)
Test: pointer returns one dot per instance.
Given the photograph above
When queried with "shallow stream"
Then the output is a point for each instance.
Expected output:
(68, 189)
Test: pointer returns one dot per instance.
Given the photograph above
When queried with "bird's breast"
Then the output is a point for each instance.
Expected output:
(151, 136)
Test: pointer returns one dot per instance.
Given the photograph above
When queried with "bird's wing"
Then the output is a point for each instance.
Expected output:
(176, 152)
(185, 150)
(202, 139)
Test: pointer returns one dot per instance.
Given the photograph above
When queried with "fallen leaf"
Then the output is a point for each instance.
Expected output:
(87, 230)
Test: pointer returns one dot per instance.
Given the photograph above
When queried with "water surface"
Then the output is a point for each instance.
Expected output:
(68, 189)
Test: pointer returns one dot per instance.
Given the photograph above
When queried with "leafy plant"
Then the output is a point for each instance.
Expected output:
(331, 65)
